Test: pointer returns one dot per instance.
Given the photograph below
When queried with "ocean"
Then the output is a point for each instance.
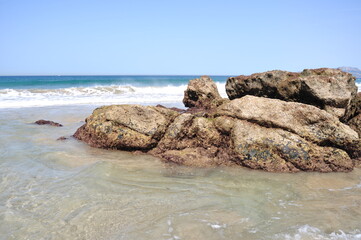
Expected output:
(53, 189)
(35, 91)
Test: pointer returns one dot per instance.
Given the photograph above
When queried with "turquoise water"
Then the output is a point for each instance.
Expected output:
(35, 91)
(43, 82)
(52, 82)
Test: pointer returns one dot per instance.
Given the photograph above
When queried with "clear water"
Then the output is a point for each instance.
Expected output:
(67, 190)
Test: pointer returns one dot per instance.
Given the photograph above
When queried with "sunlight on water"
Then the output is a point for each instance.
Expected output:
(67, 190)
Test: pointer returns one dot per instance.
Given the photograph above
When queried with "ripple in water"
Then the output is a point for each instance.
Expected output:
(66, 190)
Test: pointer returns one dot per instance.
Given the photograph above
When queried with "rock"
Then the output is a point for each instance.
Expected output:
(254, 132)
(353, 108)
(126, 127)
(47, 122)
(325, 88)
(292, 137)
(355, 124)
(307, 121)
(289, 137)
(277, 150)
(202, 93)
(194, 141)
(352, 115)
(62, 138)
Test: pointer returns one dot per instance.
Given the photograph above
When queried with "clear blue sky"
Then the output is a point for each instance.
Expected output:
(177, 37)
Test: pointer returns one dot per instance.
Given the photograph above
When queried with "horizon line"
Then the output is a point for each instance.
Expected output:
(145, 75)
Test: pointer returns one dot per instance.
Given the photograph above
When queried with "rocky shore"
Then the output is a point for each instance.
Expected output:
(274, 121)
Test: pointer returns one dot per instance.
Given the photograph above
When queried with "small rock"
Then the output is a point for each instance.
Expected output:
(62, 138)
(202, 93)
(47, 122)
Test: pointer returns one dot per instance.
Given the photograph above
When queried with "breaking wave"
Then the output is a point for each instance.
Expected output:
(113, 94)
(358, 85)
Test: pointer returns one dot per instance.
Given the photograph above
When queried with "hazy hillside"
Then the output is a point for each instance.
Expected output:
(354, 71)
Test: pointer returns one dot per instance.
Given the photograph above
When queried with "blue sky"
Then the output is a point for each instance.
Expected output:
(177, 37)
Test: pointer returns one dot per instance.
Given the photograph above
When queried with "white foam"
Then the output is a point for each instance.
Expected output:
(346, 188)
(309, 232)
(15, 98)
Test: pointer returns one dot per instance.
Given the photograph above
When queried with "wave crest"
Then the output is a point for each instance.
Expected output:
(113, 94)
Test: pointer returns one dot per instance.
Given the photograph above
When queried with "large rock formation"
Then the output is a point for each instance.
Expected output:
(202, 93)
(325, 88)
(255, 132)
(290, 137)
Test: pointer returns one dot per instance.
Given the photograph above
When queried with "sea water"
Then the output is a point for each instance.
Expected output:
(53, 189)
(37, 91)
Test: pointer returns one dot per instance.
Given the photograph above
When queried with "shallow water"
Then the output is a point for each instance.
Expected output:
(67, 190)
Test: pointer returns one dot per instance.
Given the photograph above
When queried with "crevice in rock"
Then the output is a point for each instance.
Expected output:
(266, 124)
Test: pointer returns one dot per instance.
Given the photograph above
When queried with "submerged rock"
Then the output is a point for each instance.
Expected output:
(325, 88)
(62, 138)
(254, 132)
(47, 122)
(202, 93)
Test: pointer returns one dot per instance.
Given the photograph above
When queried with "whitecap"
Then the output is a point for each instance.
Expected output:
(98, 95)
